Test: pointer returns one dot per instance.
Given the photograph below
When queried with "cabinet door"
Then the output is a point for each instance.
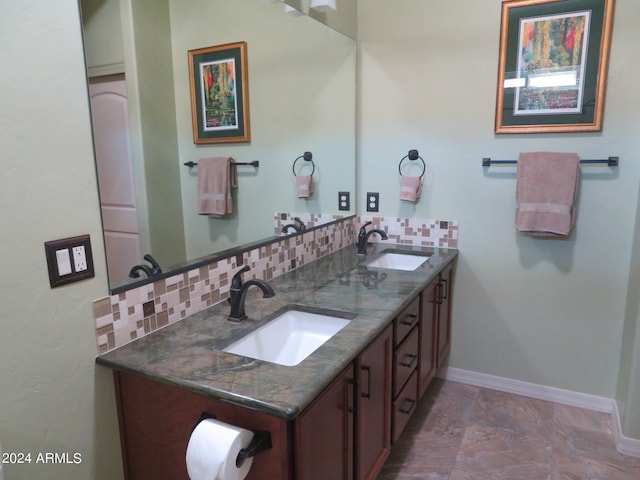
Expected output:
(373, 425)
(324, 433)
(156, 421)
(428, 336)
(444, 314)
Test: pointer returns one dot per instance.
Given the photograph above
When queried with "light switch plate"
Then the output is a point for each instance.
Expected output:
(69, 260)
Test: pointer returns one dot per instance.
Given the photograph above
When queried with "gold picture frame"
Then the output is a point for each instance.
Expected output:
(552, 65)
(219, 83)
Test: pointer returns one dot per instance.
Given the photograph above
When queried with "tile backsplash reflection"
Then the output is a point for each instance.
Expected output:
(126, 316)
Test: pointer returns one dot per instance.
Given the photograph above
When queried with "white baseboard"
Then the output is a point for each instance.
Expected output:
(625, 445)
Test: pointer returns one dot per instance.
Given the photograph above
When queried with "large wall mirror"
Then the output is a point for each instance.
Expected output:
(301, 77)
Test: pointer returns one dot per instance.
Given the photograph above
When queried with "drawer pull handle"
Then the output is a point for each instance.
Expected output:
(412, 319)
(445, 288)
(410, 362)
(353, 404)
(409, 406)
(368, 370)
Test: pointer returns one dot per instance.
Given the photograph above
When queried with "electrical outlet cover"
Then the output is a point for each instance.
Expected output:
(69, 260)
(344, 201)
(373, 201)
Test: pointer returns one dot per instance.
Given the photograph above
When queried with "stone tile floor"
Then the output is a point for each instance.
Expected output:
(462, 432)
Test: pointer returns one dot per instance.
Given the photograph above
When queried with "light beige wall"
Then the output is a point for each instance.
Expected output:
(52, 397)
(544, 311)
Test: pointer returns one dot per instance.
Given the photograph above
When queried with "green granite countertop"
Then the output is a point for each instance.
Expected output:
(189, 354)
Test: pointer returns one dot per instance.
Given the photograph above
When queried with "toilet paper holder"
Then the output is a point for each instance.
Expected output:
(261, 441)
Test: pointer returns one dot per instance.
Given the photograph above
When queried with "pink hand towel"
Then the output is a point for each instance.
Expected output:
(410, 188)
(304, 185)
(546, 189)
(216, 177)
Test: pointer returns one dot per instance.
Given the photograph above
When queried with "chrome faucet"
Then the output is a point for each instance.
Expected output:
(298, 225)
(363, 237)
(238, 293)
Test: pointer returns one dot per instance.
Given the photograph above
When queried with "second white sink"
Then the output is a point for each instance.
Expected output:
(397, 261)
(289, 338)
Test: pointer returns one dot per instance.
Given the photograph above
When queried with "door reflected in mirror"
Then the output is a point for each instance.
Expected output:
(301, 79)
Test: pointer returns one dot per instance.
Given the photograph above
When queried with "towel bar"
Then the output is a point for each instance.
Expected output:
(254, 163)
(611, 161)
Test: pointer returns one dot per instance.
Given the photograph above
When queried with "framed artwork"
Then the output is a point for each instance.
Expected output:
(552, 65)
(220, 94)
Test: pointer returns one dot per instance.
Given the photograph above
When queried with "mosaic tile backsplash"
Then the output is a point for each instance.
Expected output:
(129, 315)
(415, 231)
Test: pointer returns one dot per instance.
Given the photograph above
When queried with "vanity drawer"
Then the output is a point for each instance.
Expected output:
(406, 320)
(404, 406)
(405, 361)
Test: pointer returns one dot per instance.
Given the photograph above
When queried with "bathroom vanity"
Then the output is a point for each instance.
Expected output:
(336, 414)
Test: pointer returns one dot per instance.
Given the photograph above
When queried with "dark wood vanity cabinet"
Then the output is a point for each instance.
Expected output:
(443, 304)
(373, 424)
(156, 421)
(428, 333)
(345, 433)
(406, 359)
(422, 338)
(324, 432)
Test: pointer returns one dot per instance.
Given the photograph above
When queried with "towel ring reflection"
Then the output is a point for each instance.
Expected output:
(413, 155)
(308, 157)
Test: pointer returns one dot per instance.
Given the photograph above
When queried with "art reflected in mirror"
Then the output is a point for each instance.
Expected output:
(302, 98)
(219, 84)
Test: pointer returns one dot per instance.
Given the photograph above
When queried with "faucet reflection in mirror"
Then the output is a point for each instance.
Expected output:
(146, 42)
(120, 318)
(150, 271)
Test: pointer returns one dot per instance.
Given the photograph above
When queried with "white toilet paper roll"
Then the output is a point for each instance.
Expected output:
(212, 451)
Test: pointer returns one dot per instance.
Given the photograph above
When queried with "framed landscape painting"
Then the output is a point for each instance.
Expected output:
(553, 62)
(220, 93)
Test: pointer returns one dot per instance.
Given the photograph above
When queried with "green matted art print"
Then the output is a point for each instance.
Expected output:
(552, 68)
(220, 93)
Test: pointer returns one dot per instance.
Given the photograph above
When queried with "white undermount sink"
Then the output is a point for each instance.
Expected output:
(290, 337)
(397, 261)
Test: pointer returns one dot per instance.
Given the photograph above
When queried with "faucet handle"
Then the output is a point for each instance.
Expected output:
(236, 281)
(301, 224)
(363, 228)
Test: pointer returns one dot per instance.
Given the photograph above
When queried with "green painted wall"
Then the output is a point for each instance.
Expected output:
(52, 397)
(551, 312)
(544, 311)
(302, 96)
